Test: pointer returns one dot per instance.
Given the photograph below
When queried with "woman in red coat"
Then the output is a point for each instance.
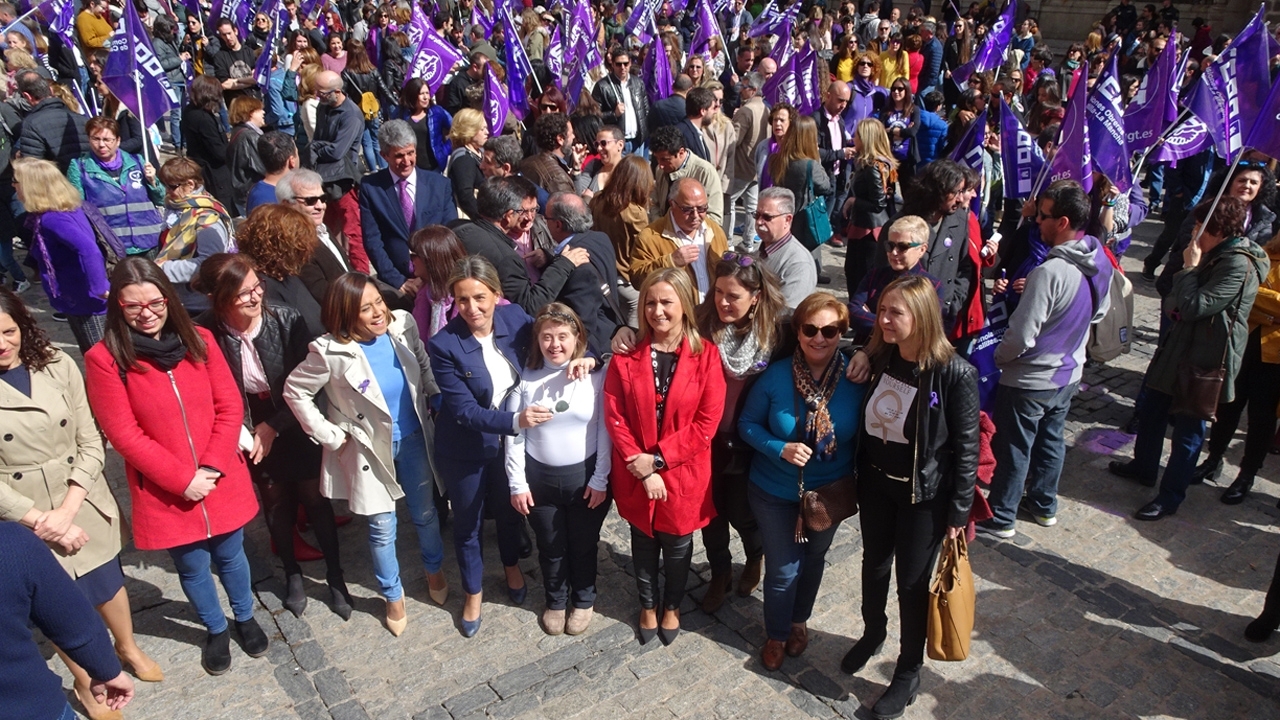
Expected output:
(663, 403)
(167, 402)
(974, 315)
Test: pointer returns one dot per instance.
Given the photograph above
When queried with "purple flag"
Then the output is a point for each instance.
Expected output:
(1071, 160)
(496, 105)
(642, 24)
(576, 83)
(433, 61)
(417, 29)
(519, 69)
(554, 57)
(1191, 137)
(1233, 86)
(782, 86)
(657, 73)
(1020, 157)
(262, 68)
(1155, 106)
(1263, 136)
(479, 18)
(706, 28)
(970, 152)
(995, 46)
(808, 86)
(238, 10)
(133, 73)
(61, 18)
(1105, 113)
(774, 22)
(579, 27)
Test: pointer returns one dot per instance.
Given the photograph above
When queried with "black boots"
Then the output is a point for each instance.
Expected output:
(217, 653)
(1239, 489)
(902, 692)
(861, 652)
(1207, 470)
(252, 640)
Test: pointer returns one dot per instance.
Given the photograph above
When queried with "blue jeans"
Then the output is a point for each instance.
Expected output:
(226, 553)
(632, 149)
(68, 713)
(8, 263)
(792, 571)
(369, 144)
(1188, 436)
(175, 118)
(413, 472)
(1029, 447)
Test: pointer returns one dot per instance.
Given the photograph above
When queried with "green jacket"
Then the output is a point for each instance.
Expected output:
(1211, 313)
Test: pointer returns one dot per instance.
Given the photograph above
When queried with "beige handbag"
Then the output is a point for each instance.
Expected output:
(951, 596)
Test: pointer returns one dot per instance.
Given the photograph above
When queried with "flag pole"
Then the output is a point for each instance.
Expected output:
(1226, 180)
(17, 21)
(148, 152)
(1181, 116)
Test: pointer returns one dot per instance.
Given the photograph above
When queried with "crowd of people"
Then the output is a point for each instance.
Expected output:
(345, 284)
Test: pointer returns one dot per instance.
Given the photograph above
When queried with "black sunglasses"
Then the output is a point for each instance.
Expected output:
(309, 200)
(829, 332)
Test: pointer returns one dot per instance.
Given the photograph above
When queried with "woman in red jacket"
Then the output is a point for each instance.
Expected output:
(663, 403)
(167, 402)
(974, 315)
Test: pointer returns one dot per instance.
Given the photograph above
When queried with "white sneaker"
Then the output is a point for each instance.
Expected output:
(986, 528)
(1049, 521)
(22, 286)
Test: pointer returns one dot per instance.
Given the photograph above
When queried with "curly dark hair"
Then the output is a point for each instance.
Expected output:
(279, 238)
(549, 129)
(36, 351)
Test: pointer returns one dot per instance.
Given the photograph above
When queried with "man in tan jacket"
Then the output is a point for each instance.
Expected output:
(675, 161)
(751, 125)
(684, 237)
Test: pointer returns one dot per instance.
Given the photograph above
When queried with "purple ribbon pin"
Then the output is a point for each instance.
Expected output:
(363, 386)
(947, 242)
(933, 399)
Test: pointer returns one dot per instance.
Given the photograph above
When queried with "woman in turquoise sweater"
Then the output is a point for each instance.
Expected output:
(816, 448)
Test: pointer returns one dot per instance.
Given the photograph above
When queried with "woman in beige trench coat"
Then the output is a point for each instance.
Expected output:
(51, 460)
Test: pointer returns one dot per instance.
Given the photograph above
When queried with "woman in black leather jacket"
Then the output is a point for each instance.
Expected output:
(870, 201)
(263, 344)
(917, 465)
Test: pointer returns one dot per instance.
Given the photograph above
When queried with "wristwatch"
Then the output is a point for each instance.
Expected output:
(658, 462)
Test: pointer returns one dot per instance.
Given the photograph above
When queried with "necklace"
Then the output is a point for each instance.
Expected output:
(661, 384)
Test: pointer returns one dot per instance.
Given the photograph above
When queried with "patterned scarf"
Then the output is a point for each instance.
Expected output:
(819, 433)
(741, 353)
(186, 218)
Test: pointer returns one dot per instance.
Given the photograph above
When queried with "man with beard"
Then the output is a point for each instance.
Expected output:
(233, 65)
(335, 154)
(550, 168)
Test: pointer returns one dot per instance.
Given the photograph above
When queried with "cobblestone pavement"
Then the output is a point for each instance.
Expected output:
(1098, 617)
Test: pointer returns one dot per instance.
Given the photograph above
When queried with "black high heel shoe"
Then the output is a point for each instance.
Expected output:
(646, 634)
(340, 599)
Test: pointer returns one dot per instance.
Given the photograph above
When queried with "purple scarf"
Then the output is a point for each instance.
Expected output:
(113, 165)
(862, 104)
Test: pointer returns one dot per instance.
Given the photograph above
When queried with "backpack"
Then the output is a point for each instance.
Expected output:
(1112, 336)
(104, 236)
(369, 104)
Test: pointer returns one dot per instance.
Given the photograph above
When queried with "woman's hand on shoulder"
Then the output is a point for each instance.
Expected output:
(858, 370)
(624, 341)
(581, 368)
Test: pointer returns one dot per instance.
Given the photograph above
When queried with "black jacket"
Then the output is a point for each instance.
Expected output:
(829, 155)
(694, 140)
(667, 111)
(870, 201)
(592, 290)
(52, 132)
(245, 165)
(207, 145)
(281, 345)
(482, 237)
(608, 92)
(946, 455)
(947, 260)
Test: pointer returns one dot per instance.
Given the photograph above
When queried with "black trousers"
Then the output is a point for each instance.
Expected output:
(859, 256)
(567, 531)
(676, 551)
(1175, 213)
(897, 534)
(1258, 386)
(730, 463)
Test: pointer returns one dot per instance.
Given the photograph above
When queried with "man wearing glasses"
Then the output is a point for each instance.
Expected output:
(675, 162)
(783, 254)
(684, 237)
(623, 102)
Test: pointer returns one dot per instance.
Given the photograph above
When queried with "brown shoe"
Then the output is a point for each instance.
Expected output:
(578, 621)
(553, 621)
(773, 654)
(750, 577)
(798, 640)
(716, 590)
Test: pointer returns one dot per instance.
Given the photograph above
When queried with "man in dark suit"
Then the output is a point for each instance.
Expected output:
(592, 288)
(697, 106)
(508, 207)
(670, 110)
(396, 201)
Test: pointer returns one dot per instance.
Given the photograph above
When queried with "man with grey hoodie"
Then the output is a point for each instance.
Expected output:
(1041, 359)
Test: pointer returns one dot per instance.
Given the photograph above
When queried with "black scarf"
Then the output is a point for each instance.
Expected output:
(166, 351)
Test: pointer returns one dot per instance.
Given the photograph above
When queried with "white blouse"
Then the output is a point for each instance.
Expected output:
(575, 433)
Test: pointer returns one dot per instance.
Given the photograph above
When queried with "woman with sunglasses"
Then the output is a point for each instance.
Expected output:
(745, 316)
(868, 97)
(196, 226)
(552, 100)
(166, 400)
(263, 342)
(800, 417)
(894, 63)
(558, 471)
(842, 62)
(917, 466)
(906, 246)
(663, 403)
(901, 118)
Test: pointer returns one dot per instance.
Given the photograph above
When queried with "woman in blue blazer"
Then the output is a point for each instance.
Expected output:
(476, 359)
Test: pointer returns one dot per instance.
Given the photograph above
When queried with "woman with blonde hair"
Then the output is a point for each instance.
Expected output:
(308, 101)
(469, 133)
(72, 270)
(663, 403)
(870, 197)
(917, 466)
(532, 34)
(620, 210)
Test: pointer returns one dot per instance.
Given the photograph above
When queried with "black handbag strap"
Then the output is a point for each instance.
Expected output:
(1235, 313)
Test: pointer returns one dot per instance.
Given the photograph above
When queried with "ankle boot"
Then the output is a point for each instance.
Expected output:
(340, 599)
(1261, 628)
(901, 693)
(1239, 489)
(295, 600)
(750, 578)
(216, 658)
(1207, 470)
(716, 590)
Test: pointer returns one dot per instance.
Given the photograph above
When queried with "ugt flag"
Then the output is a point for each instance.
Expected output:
(995, 46)
(1191, 137)
(262, 68)
(808, 84)
(773, 22)
(1231, 89)
(433, 61)
(518, 69)
(970, 152)
(657, 73)
(1071, 159)
(496, 105)
(1155, 107)
(134, 73)
(642, 24)
(1020, 156)
(1106, 129)
(707, 28)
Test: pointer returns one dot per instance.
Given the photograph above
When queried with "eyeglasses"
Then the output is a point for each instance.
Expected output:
(741, 259)
(549, 108)
(1252, 164)
(692, 209)
(133, 310)
(767, 217)
(900, 247)
(603, 143)
(866, 63)
(897, 89)
(310, 200)
(246, 296)
(622, 64)
(1041, 217)
(326, 93)
(829, 332)
(526, 212)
